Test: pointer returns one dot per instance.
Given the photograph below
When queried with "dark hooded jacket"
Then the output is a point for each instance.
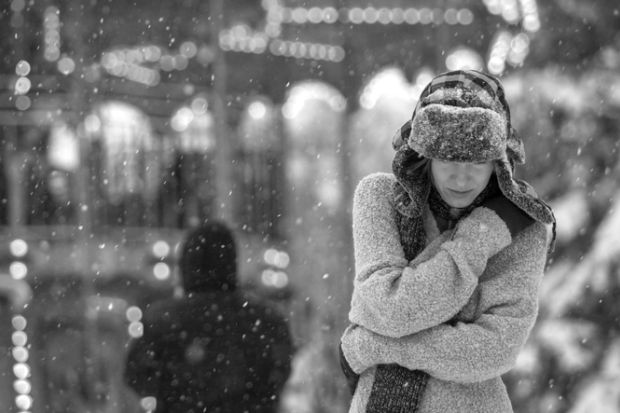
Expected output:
(212, 350)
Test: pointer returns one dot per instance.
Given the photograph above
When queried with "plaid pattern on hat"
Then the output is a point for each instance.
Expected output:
(470, 79)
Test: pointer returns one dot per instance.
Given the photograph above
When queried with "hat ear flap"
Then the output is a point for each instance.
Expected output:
(407, 164)
(411, 171)
(401, 136)
(514, 147)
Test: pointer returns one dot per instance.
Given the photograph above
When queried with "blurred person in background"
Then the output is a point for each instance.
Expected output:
(449, 253)
(212, 350)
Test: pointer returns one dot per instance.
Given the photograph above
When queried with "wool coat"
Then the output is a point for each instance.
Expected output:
(460, 311)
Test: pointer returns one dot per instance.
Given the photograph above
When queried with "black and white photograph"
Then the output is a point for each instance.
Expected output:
(309, 206)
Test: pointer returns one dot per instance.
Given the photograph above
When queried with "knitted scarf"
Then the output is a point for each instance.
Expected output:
(397, 389)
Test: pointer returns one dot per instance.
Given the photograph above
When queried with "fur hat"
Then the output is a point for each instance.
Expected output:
(462, 116)
(208, 260)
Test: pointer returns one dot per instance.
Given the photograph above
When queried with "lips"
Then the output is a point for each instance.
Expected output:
(459, 193)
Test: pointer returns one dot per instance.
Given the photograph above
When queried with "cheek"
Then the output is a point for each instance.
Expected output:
(483, 179)
(439, 175)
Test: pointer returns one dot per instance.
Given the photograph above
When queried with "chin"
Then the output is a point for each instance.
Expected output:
(458, 203)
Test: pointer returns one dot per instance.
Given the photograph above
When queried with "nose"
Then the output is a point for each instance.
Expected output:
(461, 176)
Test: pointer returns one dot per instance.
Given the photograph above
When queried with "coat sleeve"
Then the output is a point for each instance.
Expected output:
(394, 297)
(474, 351)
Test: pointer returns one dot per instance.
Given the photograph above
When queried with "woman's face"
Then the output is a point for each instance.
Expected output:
(459, 183)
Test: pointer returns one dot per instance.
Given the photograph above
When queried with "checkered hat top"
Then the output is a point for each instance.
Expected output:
(475, 89)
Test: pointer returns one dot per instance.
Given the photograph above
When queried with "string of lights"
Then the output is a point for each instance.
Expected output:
(21, 368)
(375, 15)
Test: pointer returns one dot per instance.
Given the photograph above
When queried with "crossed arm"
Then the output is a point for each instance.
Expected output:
(400, 310)
(394, 297)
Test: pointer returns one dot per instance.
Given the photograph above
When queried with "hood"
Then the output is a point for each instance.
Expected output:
(208, 260)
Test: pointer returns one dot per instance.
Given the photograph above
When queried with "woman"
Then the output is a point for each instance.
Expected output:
(449, 253)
